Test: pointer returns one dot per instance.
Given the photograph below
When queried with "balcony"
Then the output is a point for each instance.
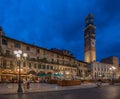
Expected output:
(7, 55)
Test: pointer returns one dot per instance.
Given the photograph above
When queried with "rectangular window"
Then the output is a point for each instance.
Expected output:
(28, 48)
(47, 67)
(34, 65)
(11, 65)
(4, 64)
(43, 66)
(37, 57)
(38, 51)
(51, 67)
(57, 61)
(39, 66)
(4, 42)
(29, 65)
(16, 45)
(24, 64)
(7, 52)
(52, 60)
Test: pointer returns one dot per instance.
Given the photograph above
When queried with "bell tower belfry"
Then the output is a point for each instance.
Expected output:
(89, 39)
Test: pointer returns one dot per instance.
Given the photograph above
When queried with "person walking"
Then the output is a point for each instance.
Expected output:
(24, 84)
(99, 83)
(28, 83)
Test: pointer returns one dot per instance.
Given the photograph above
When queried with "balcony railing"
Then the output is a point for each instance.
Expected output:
(7, 55)
(44, 60)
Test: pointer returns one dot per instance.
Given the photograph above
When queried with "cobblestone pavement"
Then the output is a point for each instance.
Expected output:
(106, 92)
(42, 87)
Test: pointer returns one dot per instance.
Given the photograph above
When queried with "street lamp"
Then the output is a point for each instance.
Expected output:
(83, 74)
(20, 57)
(112, 69)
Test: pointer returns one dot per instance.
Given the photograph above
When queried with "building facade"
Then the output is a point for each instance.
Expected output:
(40, 61)
(103, 71)
(89, 40)
(111, 60)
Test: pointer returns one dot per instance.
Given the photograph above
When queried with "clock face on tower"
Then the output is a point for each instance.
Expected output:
(92, 42)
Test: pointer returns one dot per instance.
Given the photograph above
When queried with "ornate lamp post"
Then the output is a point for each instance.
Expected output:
(83, 73)
(112, 69)
(20, 57)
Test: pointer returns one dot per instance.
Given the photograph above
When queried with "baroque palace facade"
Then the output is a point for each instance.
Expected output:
(40, 61)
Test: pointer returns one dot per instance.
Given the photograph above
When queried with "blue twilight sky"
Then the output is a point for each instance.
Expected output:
(60, 24)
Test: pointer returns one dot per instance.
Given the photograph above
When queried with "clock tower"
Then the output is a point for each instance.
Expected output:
(89, 39)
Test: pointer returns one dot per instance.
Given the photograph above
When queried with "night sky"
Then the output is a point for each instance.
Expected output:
(60, 24)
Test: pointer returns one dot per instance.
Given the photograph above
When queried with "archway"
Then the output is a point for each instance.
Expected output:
(41, 76)
(41, 73)
(32, 75)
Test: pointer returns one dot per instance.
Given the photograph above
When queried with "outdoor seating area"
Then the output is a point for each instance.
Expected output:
(52, 81)
(68, 82)
(64, 82)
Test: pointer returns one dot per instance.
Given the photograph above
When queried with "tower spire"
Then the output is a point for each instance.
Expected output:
(89, 39)
(89, 19)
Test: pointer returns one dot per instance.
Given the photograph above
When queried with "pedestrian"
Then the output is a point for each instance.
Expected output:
(28, 83)
(99, 83)
(111, 81)
(24, 84)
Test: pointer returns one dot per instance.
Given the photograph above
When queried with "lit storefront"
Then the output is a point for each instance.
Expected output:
(8, 75)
